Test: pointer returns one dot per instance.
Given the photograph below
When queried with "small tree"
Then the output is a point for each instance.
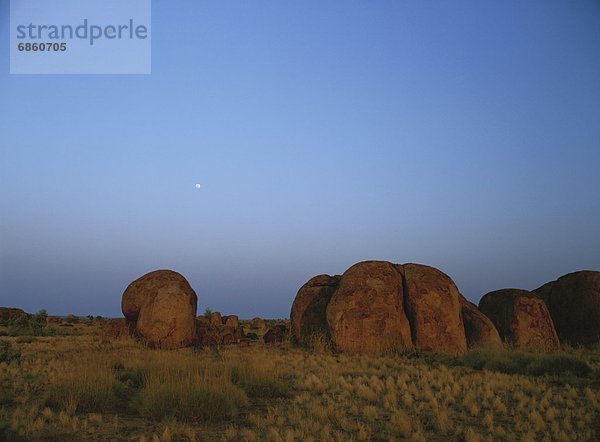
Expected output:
(207, 312)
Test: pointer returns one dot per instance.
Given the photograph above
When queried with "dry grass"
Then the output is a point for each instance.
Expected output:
(75, 387)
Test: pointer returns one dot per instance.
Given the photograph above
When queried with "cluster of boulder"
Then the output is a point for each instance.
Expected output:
(160, 309)
(219, 330)
(377, 306)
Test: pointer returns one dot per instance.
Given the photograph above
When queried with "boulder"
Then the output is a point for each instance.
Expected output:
(366, 312)
(148, 285)
(117, 329)
(216, 319)
(521, 318)
(434, 310)
(167, 317)
(258, 323)
(479, 329)
(203, 328)
(308, 316)
(238, 333)
(8, 313)
(210, 339)
(231, 321)
(276, 334)
(574, 304)
(227, 338)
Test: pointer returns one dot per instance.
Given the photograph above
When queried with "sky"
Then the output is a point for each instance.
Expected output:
(463, 135)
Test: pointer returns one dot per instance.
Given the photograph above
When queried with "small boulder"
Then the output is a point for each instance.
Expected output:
(276, 334)
(216, 319)
(117, 329)
(203, 327)
(231, 321)
(227, 338)
(258, 323)
(574, 304)
(252, 336)
(521, 318)
(236, 332)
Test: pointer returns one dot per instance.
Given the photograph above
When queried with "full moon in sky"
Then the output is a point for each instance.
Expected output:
(198, 186)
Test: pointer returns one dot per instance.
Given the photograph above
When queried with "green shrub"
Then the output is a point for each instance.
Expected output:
(532, 364)
(558, 365)
(28, 325)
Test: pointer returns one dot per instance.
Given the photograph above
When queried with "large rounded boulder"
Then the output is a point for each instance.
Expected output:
(434, 310)
(161, 305)
(167, 318)
(366, 312)
(308, 316)
(521, 318)
(148, 285)
(574, 304)
(479, 329)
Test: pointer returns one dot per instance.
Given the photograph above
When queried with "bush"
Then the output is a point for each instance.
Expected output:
(28, 325)
(532, 364)
(207, 313)
(7, 353)
(558, 365)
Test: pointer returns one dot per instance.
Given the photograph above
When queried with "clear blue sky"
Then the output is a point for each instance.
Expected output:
(464, 135)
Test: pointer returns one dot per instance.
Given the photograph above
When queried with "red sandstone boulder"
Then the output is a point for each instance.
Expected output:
(231, 321)
(258, 323)
(276, 334)
(148, 285)
(366, 312)
(117, 329)
(203, 328)
(574, 304)
(479, 329)
(167, 317)
(434, 310)
(308, 315)
(227, 338)
(216, 319)
(521, 318)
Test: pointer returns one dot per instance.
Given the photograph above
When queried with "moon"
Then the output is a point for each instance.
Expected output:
(198, 186)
